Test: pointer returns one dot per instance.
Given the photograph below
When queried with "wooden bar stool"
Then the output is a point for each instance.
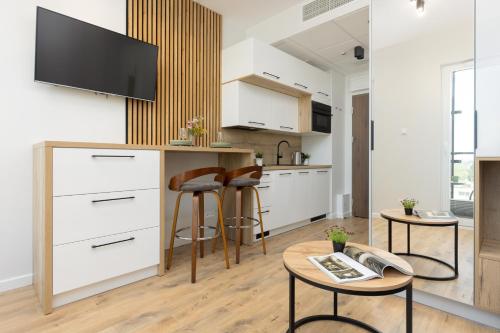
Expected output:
(186, 183)
(243, 178)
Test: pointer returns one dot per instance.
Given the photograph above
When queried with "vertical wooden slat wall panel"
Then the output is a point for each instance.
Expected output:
(188, 37)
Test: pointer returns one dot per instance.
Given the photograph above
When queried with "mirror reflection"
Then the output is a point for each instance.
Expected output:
(423, 109)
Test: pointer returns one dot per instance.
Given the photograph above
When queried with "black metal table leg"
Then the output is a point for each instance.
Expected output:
(408, 238)
(389, 240)
(335, 304)
(409, 309)
(291, 324)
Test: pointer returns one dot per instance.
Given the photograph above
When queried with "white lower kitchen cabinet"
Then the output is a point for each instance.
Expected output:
(291, 196)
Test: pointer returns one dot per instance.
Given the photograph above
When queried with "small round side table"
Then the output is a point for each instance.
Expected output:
(299, 267)
(398, 215)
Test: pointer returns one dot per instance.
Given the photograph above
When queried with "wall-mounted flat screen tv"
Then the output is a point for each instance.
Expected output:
(77, 54)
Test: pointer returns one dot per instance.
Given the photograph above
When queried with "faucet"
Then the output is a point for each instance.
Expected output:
(280, 155)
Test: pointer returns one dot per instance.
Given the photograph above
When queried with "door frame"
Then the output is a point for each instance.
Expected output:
(446, 105)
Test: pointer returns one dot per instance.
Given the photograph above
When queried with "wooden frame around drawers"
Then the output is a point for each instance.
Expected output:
(43, 219)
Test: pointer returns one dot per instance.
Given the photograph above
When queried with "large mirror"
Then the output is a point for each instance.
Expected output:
(423, 113)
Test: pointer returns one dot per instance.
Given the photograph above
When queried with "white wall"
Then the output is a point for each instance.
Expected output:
(33, 112)
(407, 95)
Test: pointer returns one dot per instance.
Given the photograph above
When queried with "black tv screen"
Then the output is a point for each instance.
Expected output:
(77, 54)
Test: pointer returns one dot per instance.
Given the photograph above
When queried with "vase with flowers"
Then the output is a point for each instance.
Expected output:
(196, 129)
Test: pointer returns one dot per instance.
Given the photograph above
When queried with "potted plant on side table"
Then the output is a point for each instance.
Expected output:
(259, 158)
(338, 236)
(409, 204)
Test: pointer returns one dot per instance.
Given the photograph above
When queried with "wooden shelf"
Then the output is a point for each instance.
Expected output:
(490, 249)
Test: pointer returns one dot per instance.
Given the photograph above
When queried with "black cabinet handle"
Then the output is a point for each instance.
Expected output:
(272, 75)
(257, 123)
(113, 156)
(322, 93)
(300, 85)
(322, 171)
(111, 243)
(286, 173)
(112, 199)
(304, 172)
(263, 186)
(266, 211)
(287, 127)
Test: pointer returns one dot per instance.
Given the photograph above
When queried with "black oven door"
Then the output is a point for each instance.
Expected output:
(321, 117)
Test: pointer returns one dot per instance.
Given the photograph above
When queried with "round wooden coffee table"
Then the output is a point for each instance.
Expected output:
(298, 266)
(398, 215)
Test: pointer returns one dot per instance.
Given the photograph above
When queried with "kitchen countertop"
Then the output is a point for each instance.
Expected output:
(167, 148)
(295, 167)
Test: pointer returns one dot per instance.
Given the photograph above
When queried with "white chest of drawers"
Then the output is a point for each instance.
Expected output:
(97, 216)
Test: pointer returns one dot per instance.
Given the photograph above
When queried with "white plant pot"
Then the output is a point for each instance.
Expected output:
(259, 161)
(306, 162)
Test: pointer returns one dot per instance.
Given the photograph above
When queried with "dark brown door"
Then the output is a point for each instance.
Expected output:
(360, 146)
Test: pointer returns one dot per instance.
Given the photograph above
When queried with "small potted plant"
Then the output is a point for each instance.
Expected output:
(195, 129)
(259, 158)
(305, 158)
(409, 204)
(338, 236)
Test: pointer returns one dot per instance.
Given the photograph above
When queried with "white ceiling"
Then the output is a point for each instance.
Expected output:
(331, 44)
(239, 15)
(395, 21)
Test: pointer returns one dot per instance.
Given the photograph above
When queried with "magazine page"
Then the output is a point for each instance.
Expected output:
(341, 268)
(434, 215)
(372, 261)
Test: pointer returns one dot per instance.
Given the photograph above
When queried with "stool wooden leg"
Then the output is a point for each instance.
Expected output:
(221, 225)
(194, 235)
(237, 229)
(201, 212)
(174, 226)
(214, 241)
(260, 219)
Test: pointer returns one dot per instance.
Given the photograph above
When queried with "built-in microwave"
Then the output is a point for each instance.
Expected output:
(321, 117)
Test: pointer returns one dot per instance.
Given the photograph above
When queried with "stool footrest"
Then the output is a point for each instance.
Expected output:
(204, 228)
(242, 218)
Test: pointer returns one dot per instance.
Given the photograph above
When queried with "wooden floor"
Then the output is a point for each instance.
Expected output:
(434, 242)
(250, 297)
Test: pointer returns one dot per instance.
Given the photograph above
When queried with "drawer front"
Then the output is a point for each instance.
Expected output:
(266, 219)
(83, 263)
(265, 195)
(81, 217)
(82, 171)
(267, 177)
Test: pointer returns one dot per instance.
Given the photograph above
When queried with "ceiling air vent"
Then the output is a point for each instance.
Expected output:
(318, 7)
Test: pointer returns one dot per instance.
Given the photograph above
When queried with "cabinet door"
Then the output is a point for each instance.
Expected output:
(254, 106)
(270, 63)
(304, 194)
(283, 199)
(487, 77)
(321, 181)
(285, 113)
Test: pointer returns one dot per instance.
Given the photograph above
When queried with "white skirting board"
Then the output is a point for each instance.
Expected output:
(16, 282)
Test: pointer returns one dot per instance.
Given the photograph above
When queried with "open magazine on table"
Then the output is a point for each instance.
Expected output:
(354, 264)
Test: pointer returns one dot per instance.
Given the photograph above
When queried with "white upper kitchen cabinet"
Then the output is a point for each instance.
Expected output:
(252, 57)
(487, 77)
(247, 105)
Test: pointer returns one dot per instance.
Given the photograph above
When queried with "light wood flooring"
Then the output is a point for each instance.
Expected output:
(251, 297)
(435, 242)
